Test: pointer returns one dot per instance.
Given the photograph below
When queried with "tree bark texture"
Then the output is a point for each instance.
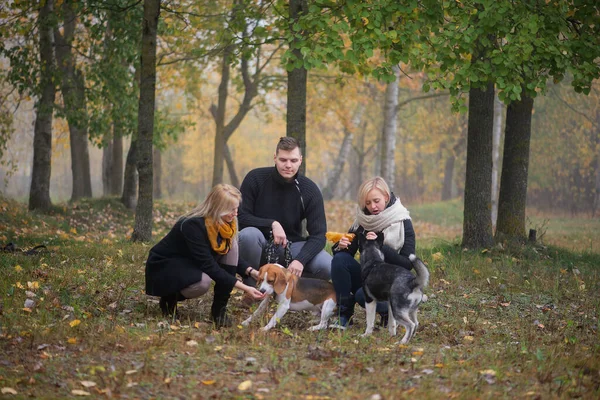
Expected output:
(296, 88)
(73, 91)
(130, 177)
(39, 192)
(515, 167)
(142, 230)
(477, 224)
(498, 109)
(388, 140)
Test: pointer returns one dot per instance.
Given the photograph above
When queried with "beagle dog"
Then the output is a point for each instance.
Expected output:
(293, 293)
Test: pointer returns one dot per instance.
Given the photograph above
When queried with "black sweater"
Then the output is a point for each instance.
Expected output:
(267, 197)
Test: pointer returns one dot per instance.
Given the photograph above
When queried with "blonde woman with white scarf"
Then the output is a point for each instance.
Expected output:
(379, 213)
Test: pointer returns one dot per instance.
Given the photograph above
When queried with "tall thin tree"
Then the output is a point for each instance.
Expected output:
(39, 193)
(142, 230)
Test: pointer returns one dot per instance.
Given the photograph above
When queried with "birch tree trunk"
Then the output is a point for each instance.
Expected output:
(388, 142)
(498, 109)
(477, 223)
(515, 169)
(142, 230)
(39, 192)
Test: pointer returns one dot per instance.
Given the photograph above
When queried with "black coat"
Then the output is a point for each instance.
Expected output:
(180, 258)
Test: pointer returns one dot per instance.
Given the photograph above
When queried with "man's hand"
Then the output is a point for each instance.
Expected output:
(296, 268)
(279, 237)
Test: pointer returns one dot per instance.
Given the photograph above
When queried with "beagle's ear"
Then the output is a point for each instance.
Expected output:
(280, 282)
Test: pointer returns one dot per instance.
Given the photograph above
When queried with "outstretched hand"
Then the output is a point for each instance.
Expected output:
(255, 293)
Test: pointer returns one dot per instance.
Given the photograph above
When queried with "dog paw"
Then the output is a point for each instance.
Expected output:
(317, 327)
(366, 334)
(425, 298)
(246, 322)
(266, 328)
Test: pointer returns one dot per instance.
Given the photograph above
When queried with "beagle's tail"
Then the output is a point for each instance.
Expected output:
(422, 271)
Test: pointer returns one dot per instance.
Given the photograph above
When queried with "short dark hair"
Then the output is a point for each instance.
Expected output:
(288, 143)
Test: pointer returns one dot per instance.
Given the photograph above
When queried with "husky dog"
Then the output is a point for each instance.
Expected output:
(387, 282)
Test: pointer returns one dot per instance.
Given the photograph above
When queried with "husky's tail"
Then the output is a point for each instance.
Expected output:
(422, 271)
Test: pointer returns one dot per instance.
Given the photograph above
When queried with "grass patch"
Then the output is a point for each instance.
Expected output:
(502, 323)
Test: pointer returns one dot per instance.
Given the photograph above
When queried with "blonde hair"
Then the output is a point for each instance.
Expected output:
(221, 200)
(370, 184)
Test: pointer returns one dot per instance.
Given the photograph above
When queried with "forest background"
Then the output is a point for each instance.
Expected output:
(222, 73)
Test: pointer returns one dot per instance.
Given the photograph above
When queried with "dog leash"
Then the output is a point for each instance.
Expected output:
(271, 252)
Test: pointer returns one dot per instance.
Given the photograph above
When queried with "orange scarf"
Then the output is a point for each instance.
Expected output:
(220, 235)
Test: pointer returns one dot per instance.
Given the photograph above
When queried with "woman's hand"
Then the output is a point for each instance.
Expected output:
(255, 293)
(343, 243)
(371, 236)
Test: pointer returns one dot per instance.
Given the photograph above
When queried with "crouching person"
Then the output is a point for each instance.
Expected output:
(202, 247)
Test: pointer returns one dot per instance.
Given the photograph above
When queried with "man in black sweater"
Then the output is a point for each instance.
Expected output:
(277, 199)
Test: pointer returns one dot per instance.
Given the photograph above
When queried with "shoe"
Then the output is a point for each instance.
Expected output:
(168, 305)
(384, 320)
(342, 323)
(222, 320)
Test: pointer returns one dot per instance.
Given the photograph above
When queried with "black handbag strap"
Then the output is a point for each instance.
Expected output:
(272, 256)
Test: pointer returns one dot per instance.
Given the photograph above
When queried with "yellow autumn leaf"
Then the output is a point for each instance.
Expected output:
(74, 323)
(245, 386)
(8, 390)
(78, 392)
(33, 285)
(208, 382)
(437, 256)
(88, 384)
(72, 340)
(18, 285)
(18, 268)
(168, 380)
(439, 365)
(73, 231)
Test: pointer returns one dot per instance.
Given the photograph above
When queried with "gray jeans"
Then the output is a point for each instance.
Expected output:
(252, 243)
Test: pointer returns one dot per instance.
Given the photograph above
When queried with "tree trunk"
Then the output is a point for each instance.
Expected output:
(73, 90)
(338, 166)
(157, 169)
(235, 181)
(107, 154)
(116, 169)
(388, 142)
(515, 166)
(39, 192)
(477, 224)
(296, 88)
(130, 181)
(142, 230)
(498, 108)
(448, 177)
(219, 117)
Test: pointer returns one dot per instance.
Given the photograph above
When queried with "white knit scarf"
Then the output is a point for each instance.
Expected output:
(389, 221)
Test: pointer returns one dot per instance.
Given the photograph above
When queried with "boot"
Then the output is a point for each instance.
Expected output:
(218, 310)
(346, 311)
(168, 305)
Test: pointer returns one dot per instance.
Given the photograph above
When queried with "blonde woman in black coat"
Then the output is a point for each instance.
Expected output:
(201, 247)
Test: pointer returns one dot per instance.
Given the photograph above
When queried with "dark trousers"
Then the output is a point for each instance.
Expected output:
(347, 282)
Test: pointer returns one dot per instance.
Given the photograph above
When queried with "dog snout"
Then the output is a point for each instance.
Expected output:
(262, 291)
